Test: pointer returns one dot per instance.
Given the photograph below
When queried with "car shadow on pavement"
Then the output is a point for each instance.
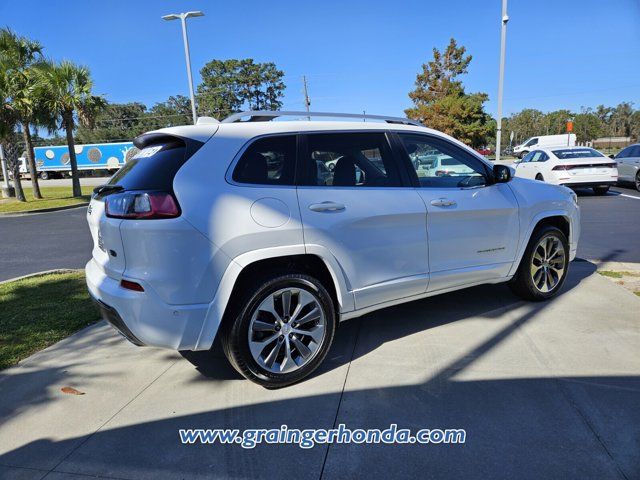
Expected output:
(393, 323)
(526, 421)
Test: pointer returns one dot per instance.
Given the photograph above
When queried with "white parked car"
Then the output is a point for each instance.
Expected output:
(228, 229)
(443, 166)
(544, 141)
(576, 167)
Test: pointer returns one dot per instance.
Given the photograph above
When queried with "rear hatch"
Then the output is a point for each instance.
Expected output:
(579, 167)
(585, 163)
(147, 175)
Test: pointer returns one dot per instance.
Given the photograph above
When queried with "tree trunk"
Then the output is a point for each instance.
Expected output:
(12, 161)
(31, 161)
(75, 180)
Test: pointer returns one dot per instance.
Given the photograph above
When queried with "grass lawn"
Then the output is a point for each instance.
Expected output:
(53, 197)
(37, 312)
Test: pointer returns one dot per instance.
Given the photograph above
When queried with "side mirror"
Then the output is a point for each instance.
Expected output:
(612, 156)
(501, 173)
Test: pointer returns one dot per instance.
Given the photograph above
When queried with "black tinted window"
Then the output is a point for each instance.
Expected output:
(349, 160)
(569, 153)
(268, 161)
(152, 168)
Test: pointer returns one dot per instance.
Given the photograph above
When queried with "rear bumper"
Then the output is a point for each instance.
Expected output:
(590, 184)
(111, 316)
(143, 317)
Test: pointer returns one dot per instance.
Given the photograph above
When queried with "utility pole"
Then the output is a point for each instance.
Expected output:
(307, 103)
(503, 48)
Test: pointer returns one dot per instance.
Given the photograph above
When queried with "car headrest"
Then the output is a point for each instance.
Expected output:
(253, 168)
(344, 175)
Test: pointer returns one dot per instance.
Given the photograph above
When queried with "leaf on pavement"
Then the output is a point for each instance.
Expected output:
(71, 391)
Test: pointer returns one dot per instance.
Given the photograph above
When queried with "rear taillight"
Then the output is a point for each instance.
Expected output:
(593, 165)
(141, 205)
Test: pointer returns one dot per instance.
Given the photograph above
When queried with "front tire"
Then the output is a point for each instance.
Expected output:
(544, 265)
(44, 175)
(638, 181)
(539, 177)
(282, 330)
(600, 190)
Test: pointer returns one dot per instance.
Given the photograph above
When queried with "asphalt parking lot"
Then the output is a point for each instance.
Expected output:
(543, 390)
(48, 241)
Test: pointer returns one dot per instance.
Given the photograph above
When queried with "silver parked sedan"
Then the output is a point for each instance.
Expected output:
(629, 165)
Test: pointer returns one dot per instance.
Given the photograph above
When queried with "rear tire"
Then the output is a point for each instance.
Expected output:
(44, 175)
(600, 190)
(280, 329)
(539, 177)
(638, 181)
(523, 154)
(544, 265)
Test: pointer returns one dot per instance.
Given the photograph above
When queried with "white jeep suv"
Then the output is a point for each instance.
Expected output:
(231, 229)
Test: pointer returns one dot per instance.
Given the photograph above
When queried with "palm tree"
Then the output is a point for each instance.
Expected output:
(8, 122)
(66, 92)
(17, 56)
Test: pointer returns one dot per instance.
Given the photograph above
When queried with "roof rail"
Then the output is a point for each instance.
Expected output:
(266, 115)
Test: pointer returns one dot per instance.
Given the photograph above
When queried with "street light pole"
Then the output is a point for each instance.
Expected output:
(183, 20)
(503, 48)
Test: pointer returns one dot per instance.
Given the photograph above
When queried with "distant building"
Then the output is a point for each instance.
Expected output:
(611, 142)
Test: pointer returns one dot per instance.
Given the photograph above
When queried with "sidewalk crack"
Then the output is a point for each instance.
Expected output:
(344, 384)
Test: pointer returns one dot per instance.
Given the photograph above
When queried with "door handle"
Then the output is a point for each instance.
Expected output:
(326, 207)
(443, 202)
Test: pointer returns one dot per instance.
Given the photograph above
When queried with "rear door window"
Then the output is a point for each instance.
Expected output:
(358, 159)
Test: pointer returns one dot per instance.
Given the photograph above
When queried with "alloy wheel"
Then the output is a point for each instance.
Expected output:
(286, 330)
(548, 263)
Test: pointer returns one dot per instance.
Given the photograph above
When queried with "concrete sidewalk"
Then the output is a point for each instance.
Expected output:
(546, 390)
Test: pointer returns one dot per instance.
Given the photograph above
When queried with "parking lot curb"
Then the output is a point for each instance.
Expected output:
(617, 266)
(39, 274)
(43, 210)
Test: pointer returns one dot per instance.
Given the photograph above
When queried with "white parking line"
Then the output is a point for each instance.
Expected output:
(629, 196)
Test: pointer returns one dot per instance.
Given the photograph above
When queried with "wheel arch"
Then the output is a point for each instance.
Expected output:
(250, 265)
(558, 218)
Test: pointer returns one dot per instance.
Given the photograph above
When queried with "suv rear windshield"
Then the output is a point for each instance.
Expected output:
(568, 153)
(152, 168)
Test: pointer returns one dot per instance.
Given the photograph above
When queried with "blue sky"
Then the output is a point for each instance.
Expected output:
(357, 55)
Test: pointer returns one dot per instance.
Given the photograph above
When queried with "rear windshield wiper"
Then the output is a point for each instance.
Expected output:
(107, 188)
